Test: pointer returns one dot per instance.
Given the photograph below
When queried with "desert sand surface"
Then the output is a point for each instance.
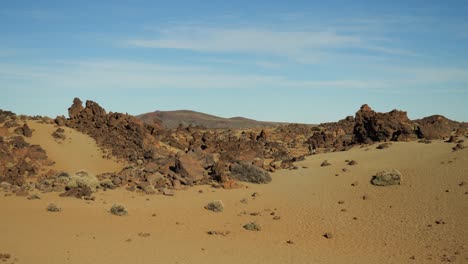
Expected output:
(423, 220)
(76, 152)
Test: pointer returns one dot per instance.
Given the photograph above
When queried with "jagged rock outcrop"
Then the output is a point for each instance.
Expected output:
(125, 135)
(371, 126)
(19, 160)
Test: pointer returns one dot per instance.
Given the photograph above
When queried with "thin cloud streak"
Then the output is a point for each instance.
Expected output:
(300, 46)
(128, 75)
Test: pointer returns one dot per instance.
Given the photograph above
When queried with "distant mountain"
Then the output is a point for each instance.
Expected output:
(172, 119)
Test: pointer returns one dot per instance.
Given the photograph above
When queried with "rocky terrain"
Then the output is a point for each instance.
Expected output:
(374, 184)
(161, 159)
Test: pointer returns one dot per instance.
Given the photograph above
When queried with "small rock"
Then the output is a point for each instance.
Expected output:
(290, 242)
(277, 217)
(143, 234)
(328, 235)
(34, 197)
(218, 233)
(355, 183)
(244, 201)
(325, 163)
(118, 210)
(386, 178)
(168, 192)
(352, 163)
(365, 197)
(53, 208)
(253, 226)
(383, 146)
(215, 206)
(341, 202)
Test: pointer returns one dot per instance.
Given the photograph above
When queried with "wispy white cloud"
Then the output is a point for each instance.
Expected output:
(131, 75)
(300, 46)
(128, 75)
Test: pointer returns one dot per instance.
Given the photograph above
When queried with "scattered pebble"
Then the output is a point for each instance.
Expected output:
(143, 234)
(218, 233)
(355, 183)
(290, 242)
(4, 256)
(328, 235)
(34, 197)
(325, 163)
(277, 217)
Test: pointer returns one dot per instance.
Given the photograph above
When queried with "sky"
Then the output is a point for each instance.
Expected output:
(292, 61)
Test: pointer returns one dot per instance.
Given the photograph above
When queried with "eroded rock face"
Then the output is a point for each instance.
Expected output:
(125, 135)
(20, 160)
(192, 166)
(436, 127)
(371, 126)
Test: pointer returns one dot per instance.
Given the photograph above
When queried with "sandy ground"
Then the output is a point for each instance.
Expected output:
(396, 224)
(77, 152)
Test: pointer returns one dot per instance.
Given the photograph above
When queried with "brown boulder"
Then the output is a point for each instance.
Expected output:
(191, 166)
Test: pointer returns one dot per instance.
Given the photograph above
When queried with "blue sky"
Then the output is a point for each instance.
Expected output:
(295, 61)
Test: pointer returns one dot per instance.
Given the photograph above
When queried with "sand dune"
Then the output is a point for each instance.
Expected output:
(395, 224)
(77, 152)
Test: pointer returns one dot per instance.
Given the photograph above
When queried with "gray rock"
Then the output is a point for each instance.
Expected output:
(253, 226)
(387, 177)
(118, 210)
(215, 206)
(53, 208)
(168, 192)
(249, 173)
